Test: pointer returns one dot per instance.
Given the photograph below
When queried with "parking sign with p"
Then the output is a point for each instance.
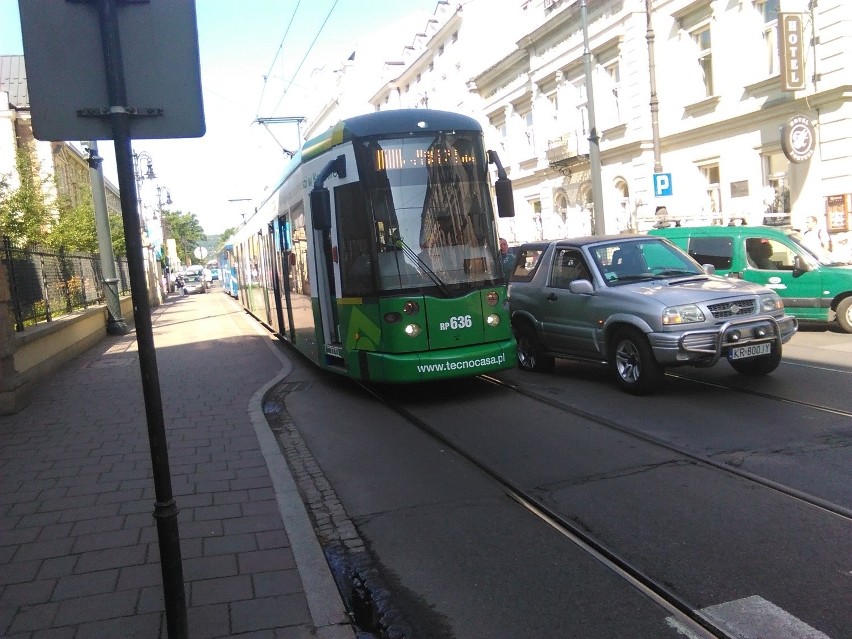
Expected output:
(662, 184)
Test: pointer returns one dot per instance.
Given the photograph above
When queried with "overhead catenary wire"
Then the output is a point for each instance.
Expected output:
(307, 53)
(277, 53)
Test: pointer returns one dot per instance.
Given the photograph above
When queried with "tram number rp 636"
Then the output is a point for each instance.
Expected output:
(460, 321)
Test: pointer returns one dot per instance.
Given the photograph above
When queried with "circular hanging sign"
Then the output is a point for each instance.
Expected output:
(200, 252)
(798, 139)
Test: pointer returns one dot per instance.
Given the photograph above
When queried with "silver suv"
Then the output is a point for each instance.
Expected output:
(639, 304)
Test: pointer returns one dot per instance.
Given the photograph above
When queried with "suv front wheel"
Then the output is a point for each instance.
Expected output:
(633, 363)
(531, 354)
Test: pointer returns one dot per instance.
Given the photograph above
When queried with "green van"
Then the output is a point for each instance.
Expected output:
(813, 288)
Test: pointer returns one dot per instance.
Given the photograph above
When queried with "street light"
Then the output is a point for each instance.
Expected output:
(168, 202)
(160, 203)
(166, 258)
(140, 176)
(137, 168)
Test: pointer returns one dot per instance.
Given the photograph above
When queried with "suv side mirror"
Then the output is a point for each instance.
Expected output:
(799, 266)
(581, 287)
(710, 269)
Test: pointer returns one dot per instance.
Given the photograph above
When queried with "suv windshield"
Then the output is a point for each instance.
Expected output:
(622, 262)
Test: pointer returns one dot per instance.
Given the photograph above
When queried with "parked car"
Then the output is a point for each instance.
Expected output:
(194, 283)
(640, 305)
(814, 287)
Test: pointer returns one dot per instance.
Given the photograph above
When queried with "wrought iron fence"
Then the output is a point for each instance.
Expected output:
(45, 284)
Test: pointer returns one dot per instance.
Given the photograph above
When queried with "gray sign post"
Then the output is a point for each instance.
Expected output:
(106, 78)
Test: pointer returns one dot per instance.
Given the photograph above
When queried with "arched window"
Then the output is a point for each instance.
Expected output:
(625, 215)
(560, 204)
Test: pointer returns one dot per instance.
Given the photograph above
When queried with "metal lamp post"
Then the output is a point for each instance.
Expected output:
(164, 254)
(140, 175)
(149, 174)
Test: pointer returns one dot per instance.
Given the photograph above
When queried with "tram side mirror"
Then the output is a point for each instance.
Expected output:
(505, 199)
(321, 209)
(502, 187)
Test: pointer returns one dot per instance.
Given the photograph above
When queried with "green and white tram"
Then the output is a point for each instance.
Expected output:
(377, 256)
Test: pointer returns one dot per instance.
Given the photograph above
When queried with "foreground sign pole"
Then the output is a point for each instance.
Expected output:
(165, 509)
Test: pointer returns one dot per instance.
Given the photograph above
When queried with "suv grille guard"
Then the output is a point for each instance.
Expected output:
(717, 336)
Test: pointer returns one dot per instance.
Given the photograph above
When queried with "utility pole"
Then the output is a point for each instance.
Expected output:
(655, 104)
(115, 320)
(594, 142)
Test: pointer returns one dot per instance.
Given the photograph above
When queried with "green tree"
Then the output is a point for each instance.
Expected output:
(75, 229)
(26, 212)
(186, 231)
(225, 236)
(116, 233)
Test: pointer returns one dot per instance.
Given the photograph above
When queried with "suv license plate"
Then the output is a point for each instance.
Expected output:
(753, 350)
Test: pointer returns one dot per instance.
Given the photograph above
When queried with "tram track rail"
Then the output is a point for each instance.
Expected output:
(789, 491)
(683, 616)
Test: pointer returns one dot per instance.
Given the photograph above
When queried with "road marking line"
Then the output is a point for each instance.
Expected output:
(754, 618)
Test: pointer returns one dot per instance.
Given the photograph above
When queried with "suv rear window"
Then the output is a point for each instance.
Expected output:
(712, 250)
(526, 265)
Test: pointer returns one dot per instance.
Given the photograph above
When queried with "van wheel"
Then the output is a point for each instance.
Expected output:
(757, 366)
(844, 314)
(531, 354)
(633, 363)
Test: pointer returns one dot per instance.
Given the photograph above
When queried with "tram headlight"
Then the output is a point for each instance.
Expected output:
(412, 330)
(493, 320)
(392, 318)
(492, 298)
(411, 308)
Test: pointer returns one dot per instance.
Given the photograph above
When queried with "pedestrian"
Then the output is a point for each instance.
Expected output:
(507, 260)
(815, 237)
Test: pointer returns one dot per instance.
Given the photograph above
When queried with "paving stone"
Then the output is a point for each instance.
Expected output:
(229, 544)
(92, 583)
(269, 612)
(31, 618)
(264, 560)
(210, 567)
(208, 622)
(104, 540)
(44, 549)
(110, 558)
(96, 607)
(276, 582)
(221, 590)
(27, 593)
(139, 576)
(147, 626)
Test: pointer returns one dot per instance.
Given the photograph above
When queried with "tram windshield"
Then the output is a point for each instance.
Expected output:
(431, 209)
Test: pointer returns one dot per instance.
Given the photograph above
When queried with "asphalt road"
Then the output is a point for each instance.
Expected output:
(461, 559)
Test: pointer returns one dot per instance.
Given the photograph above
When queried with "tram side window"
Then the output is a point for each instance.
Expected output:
(300, 282)
(354, 240)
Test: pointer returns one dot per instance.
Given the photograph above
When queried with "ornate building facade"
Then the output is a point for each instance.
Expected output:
(734, 83)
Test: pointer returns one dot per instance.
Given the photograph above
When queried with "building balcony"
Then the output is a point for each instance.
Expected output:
(567, 150)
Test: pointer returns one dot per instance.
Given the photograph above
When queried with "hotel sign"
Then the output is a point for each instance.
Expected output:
(798, 139)
(791, 51)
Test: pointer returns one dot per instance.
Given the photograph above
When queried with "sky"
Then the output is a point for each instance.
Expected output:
(257, 57)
